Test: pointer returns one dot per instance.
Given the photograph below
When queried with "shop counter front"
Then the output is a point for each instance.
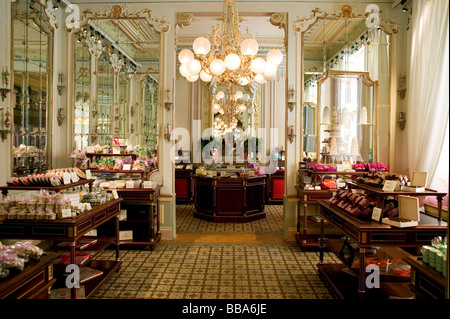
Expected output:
(229, 200)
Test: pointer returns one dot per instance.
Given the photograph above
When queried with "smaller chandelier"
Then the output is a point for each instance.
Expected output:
(227, 108)
(228, 58)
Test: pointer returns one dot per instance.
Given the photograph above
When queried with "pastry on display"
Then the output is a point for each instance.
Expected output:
(326, 115)
(354, 148)
(333, 146)
(364, 115)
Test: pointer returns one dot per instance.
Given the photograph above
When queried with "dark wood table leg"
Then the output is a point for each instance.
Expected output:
(321, 241)
(72, 252)
(439, 202)
(152, 222)
(298, 215)
(305, 217)
(117, 238)
(362, 272)
(158, 231)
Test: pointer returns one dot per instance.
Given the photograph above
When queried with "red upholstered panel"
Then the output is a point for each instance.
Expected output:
(181, 188)
(278, 188)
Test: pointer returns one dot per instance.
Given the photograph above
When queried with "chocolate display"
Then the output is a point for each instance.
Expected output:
(362, 205)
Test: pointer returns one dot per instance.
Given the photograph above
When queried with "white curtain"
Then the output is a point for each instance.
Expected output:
(378, 67)
(428, 81)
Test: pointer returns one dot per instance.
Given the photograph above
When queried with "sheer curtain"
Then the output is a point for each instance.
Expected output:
(428, 81)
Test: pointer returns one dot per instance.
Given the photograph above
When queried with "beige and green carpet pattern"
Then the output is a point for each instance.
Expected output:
(216, 271)
(272, 224)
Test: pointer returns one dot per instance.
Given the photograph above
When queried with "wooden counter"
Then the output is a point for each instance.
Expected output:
(231, 200)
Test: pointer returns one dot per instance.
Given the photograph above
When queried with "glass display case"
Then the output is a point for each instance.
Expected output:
(347, 113)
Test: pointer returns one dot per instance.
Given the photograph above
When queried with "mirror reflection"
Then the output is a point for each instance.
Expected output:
(32, 48)
(347, 104)
(343, 44)
(117, 84)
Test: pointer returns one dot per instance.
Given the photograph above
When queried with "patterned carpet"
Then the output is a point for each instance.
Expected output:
(272, 224)
(217, 271)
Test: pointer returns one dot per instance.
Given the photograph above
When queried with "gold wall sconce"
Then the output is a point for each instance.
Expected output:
(402, 88)
(291, 99)
(60, 85)
(401, 120)
(168, 99)
(168, 133)
(60, 116)
(4, 132)
(6, 77)
(291, 133)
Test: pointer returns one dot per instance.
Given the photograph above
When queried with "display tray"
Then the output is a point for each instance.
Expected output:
(389, 259)
(102, 243)
(345, 285)
(108, 267)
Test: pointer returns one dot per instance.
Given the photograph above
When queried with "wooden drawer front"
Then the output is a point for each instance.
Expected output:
(48, 231)
(314, 197)
(389, 237)
(11, 230)
(113, 210)
(135, 196)
(338, 222)
(30, 287)
(85, 225)
(99, 217)
(425, 238)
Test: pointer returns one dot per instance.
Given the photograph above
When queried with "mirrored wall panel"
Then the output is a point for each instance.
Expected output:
(32, 51)
(117, 84)
(341, 42)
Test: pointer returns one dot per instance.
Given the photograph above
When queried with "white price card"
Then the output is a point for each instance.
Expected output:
(116, 150)
(90, 149)
(147, 184)
(112, 184)
(390, 186)
(127, 167)
(74, 177)
(115, 195)
(129, 184)
(376, 214)
(66, 179)
(66, 213)
(88, 174)
(87, 206)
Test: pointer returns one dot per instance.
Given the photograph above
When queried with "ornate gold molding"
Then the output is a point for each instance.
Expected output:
(124, 12)
(346, 12)
(184, 19)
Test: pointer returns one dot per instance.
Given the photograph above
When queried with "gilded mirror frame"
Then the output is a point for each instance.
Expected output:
(52, 24)
(301, 26)
(367, 82)
(117, 12)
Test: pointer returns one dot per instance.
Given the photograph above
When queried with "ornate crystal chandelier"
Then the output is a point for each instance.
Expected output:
(225, 57)
(227, 108)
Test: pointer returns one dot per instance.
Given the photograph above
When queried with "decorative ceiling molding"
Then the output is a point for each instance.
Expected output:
(346, 12)
(124, 12)
(184, 19)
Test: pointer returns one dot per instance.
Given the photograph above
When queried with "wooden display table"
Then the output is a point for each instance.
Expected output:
(382, 194)
(275, 187)
(426, 282)
(34, 282)
(5, 189)
(231, 200)
(305, 197)
(70, 230)
(184, 185)
(142, 215)
(368, 234)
